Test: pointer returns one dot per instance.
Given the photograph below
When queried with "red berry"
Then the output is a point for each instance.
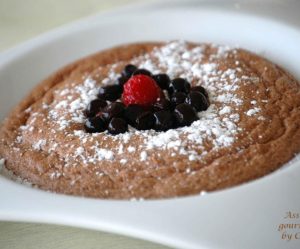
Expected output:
(142, 90)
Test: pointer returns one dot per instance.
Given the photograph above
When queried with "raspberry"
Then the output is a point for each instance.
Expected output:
(142, 90)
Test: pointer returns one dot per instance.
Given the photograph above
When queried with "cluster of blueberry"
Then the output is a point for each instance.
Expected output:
(138, 100)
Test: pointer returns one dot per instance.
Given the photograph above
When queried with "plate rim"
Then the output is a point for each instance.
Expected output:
(9, 54)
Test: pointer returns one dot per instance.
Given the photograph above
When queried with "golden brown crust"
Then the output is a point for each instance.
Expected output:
(264, 142)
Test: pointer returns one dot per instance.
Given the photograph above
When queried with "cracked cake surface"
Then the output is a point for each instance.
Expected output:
(254, 115)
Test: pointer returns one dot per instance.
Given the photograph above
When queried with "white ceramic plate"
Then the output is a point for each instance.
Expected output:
(246, 216)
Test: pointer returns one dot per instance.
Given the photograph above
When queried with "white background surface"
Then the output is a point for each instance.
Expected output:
(242, 217)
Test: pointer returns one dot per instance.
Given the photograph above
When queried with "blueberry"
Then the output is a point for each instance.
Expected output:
(117, 125)
(113, 110)
(162, 104)
(129, 70)
(132, 112)
(178, 98)
(142, 71)
(94, 107)
(162, 80)
(94, 124)
(179, 85)
(111, 93)
(200, 89)
(197, 100)
(185, 114)
(164, 120)
(145, 121)
(122, 80)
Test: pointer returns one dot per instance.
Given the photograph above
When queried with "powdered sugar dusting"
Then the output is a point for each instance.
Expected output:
(39, 144)
(143, 156)
(253, 111)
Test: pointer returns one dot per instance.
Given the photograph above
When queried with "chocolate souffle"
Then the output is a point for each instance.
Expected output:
(154, 120)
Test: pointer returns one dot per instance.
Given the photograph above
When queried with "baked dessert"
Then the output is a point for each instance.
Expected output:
(252, 115)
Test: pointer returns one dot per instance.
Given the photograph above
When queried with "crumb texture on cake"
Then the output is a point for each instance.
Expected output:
(254, 115)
